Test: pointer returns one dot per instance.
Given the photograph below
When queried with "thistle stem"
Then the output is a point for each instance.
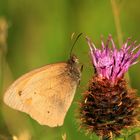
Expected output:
(105, 138)
(116, 13)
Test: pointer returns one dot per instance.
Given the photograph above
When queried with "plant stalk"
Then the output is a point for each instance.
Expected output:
(116, 13)
(3, 49)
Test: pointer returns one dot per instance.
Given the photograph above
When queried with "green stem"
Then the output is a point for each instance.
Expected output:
(116, 13)
(3, 37)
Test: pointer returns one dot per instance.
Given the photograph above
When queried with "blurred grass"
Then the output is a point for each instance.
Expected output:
(39, 33)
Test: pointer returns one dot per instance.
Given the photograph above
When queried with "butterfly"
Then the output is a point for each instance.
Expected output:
(47, 92)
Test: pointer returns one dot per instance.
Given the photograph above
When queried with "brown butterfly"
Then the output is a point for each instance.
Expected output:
(46, 93)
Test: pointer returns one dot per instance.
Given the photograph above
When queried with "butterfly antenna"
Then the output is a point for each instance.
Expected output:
(74, 43)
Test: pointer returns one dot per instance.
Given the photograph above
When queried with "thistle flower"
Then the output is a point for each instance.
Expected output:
(109, 105)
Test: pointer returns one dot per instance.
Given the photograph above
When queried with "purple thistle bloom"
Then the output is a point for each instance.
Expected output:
(112, 63)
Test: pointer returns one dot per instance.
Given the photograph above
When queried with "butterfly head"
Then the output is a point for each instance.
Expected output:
(73, 60)
(75, 68)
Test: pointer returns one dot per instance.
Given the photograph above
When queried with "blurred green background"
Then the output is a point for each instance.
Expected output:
(39, 33)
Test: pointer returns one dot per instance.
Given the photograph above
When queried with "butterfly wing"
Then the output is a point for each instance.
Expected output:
(45, 94)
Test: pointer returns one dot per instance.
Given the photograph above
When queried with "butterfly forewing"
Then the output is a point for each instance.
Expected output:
(45, 94)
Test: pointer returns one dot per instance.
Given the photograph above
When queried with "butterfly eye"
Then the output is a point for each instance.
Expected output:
(75, 59)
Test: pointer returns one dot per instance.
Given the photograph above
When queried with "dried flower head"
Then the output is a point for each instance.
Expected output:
(109, 105)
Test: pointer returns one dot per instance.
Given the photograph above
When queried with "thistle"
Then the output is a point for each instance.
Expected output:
(109, 104)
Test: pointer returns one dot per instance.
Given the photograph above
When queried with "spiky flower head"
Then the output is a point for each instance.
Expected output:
(109, 104)
(112, 63)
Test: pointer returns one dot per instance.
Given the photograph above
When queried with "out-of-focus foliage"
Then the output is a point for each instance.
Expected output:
(39, 33)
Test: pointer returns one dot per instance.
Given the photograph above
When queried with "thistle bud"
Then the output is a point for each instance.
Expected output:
(109, 104)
